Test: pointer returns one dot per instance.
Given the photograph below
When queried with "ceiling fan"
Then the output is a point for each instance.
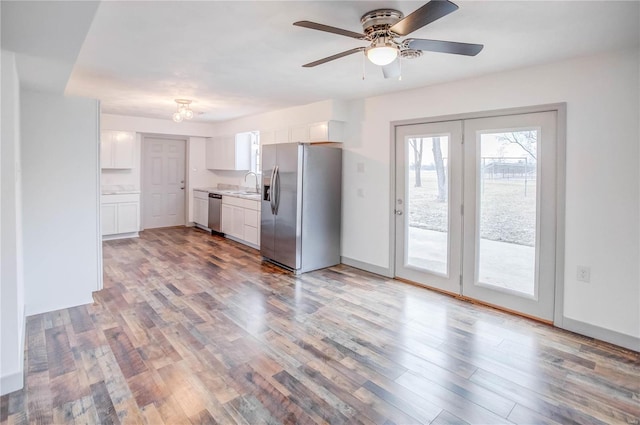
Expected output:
(382, 27)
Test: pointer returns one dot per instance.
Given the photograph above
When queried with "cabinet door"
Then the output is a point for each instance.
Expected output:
(219, 155)
(227, 219)
(282, 135)
(123, 146)
(201, 212)
(267, 137)
(106, 152)
(128, 217)
(196, 211)
(238, 222)
(300, 134)
(319, 132)
(242, 152)
(109, 219)
(251, 235)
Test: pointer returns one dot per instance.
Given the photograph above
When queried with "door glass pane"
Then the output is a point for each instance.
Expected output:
(427, 232)
(507, 228)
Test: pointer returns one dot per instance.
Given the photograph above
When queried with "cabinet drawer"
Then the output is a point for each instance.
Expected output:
(115, 199)
(240, 202)
(251, 235)
(199, 194)
(251, 218)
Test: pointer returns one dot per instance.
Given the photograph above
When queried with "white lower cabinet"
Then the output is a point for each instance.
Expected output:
(109, 218)
(120, 215)
(251, 227)
(240, 219)
(201, 208)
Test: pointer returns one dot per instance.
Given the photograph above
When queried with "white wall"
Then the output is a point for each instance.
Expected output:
(60, 200)
(602, 204)
(11, 268)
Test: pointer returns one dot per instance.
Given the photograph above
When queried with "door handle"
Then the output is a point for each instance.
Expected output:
(276, 186)
(272, 188)
(397, 212)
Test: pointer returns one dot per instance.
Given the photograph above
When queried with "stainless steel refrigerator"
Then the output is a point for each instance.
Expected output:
(301, 196)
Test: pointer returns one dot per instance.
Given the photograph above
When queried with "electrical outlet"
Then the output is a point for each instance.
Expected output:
(584, 274)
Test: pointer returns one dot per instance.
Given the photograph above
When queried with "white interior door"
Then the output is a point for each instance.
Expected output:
(427, 204)
(510, 212)
(163, 182)
(476, 216)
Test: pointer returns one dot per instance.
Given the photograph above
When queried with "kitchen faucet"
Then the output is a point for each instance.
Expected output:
(256, 176)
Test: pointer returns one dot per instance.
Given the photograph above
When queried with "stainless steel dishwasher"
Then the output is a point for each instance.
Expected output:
(215, 207)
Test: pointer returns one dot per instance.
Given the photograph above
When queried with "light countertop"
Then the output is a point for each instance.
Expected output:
(237, 193)
(119, 190)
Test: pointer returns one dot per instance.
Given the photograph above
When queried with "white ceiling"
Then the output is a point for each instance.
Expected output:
(238, 58)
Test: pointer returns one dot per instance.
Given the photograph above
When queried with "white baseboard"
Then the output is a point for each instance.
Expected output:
(11, 382)
(586, 329)
(386, 272)
(593, 331)
(243, 242)
(120, 236)
(15, 381)
(31, 310)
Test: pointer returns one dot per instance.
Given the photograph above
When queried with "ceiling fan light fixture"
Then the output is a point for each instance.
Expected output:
(382, 52)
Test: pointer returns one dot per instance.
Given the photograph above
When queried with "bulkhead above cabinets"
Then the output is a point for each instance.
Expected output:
(117, 149)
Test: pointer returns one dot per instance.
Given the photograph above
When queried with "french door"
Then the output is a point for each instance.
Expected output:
(476, 209)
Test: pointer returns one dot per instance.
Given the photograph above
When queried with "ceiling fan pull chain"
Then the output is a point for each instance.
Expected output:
(364, 55)
(400, 66)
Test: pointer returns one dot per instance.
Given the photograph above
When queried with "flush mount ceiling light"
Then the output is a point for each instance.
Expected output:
(184, 111)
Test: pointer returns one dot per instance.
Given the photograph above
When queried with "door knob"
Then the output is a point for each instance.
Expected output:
(398, 212)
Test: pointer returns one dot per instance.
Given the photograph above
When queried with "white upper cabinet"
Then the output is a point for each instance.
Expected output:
(327, 131)
(117, 149)
(324, 131)
(299, 133)
(229, 153)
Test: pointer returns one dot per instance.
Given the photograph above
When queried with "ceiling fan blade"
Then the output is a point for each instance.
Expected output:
(432, 11)
(392, 70)
(327, 28)
(454, 47)
(330, 58)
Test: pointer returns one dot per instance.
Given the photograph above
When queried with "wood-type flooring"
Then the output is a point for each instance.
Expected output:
(194, 328)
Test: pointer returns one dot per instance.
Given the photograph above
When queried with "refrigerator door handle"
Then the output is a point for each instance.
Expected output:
(276, 190)
(271, 188)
